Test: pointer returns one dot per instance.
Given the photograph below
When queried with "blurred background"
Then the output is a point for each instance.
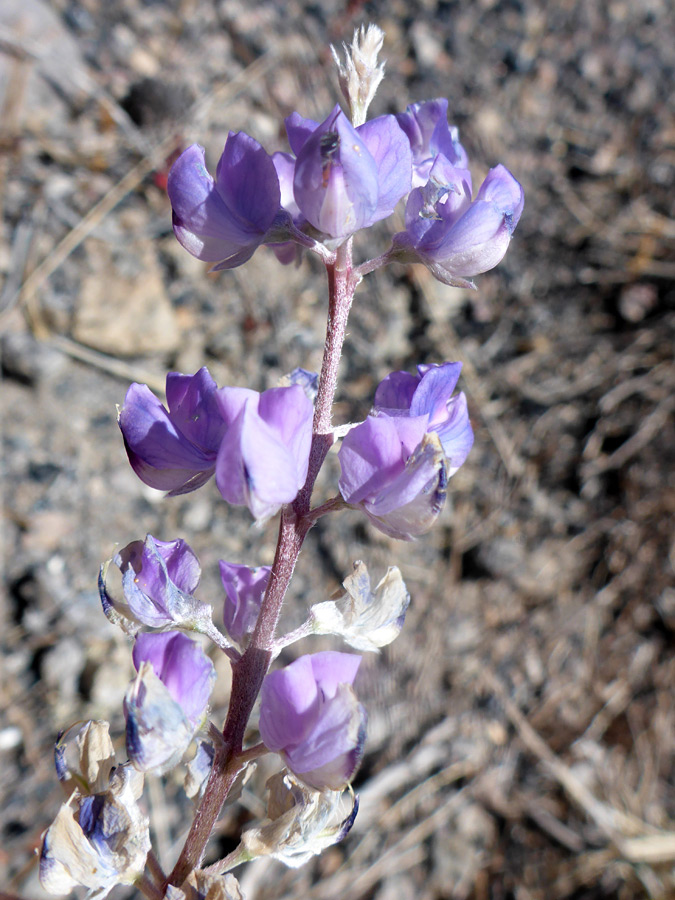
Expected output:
(521, 728)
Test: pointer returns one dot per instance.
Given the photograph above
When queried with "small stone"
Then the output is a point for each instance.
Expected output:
(123, 308)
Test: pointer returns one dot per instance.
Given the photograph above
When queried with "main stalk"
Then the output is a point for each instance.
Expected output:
(248, 673)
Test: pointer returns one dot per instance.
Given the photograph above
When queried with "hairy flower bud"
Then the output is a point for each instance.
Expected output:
(360, 74)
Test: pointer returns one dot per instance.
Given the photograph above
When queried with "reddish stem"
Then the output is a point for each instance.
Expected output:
(296, 521)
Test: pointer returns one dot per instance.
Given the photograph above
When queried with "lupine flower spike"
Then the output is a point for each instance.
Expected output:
(266, 449)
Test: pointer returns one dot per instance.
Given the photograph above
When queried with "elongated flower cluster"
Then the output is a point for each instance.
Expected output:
(264, 451)
(339, 179)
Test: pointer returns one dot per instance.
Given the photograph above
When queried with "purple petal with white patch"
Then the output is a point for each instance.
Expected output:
(336, 179)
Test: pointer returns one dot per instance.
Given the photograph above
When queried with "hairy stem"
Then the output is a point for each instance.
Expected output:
(296, 521)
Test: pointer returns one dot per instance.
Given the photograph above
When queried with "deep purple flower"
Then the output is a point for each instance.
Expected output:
(310, 715)
(244, 589)
(452, 235)
(263, 458)
(158, 581)
(173, 450)
(396, 464)
(225, 220)
(167, 701)
(426, 125)
(344, 178)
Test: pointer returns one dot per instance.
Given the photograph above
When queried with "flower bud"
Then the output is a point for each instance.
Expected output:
(244, 589)
(310, 715)
(360, 74)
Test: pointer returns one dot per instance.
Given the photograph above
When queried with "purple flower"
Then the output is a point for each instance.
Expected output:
(173, 450)
(430, 394)
(344, 178)
(263, 458)
(452, 235)
(166, 703)
(244, 588)
(310, 715)
(158, 580)
(227, 219)
(396, 464)
(427, 129)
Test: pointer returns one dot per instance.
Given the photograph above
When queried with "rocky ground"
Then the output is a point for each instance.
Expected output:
(521, 729)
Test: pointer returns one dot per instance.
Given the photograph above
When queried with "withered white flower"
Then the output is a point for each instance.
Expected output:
(96, 758)
(366, 619)
(98, 839)
(301, 823)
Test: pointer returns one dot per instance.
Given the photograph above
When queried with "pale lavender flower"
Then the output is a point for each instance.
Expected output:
(310, 715)
(166, 703)
(244, 589)
(225, 220)
(454, 236)
(263, 458)
(396, 464)
(430, 136)
(345, 178)
(173, 449)
(430, 394)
